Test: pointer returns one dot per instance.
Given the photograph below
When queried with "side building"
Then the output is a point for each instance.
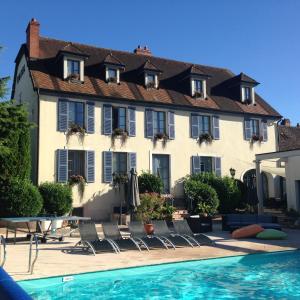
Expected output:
(100, 112)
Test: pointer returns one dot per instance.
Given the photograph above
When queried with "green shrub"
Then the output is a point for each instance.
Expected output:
(153, 207)
(229, 193)
(19, 198)
(57, 198)
(150, 183)
(203, 197)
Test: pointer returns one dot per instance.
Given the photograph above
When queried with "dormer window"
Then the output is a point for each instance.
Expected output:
(112, 75)
(198, 87)
(245, 85)
(73, 69)
(151, 81)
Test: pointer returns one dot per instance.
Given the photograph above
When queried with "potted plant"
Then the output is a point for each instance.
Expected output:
(161, 136)
(79, 181)
(205, 137)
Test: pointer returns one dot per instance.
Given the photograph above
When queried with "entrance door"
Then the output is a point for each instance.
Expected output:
(161, 168)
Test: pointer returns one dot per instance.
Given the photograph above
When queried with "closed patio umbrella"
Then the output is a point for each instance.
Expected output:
(133, 200)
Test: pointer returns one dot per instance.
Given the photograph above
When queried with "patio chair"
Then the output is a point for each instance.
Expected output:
(90, 241)
(137, 231)
(182, 228)
(112, 232)
(161, 229)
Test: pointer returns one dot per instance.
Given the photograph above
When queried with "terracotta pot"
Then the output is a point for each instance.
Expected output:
(149, 228)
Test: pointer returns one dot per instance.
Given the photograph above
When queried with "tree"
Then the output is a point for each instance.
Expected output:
(3, 85)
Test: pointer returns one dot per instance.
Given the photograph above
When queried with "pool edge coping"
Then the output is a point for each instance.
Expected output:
(158, 264)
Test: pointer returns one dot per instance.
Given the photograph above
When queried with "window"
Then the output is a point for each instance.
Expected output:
(120, 162)
(119, 118)
(112, 74)
(206, 164)
(255, 127)
(76, 113)
(161, 168)
(76, 163)
(198, 86)
(73, 67)
(204, 124)
(159, 122)
(247, 93)
(150, 78)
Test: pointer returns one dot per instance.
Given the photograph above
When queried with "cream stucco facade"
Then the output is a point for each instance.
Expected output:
(99, 197)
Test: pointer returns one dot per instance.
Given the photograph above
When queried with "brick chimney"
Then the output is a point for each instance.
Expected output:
(33, 38)
(142, 51)
(286, 122)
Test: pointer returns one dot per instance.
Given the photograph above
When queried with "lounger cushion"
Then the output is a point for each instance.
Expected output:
(271, 234)
(247, 231)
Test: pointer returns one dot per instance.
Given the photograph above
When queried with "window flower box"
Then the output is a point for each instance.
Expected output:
(150, 85)
(205, 138)
(161, 136)
(112, 80)
(256, 138)
(198, 94)
(79, 181)
(76, 129)
(119, 132)
(74, 77)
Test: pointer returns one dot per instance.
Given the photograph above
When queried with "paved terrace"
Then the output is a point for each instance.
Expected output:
(58, 258)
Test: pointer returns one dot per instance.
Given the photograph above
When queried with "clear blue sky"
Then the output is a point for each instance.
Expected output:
(258, 37)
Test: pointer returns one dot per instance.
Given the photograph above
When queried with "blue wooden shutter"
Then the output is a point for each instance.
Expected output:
(90, 166)
(63, 112)
(62, 165)
(216, 127)
(131, 161)
(107, 119)
(131, 121)
(107, 166)
(194, 126)
(196, 164)
(247, 129)
(90, 117)
(171, 125)
(149, 123)
(264, 130)
(217, 165)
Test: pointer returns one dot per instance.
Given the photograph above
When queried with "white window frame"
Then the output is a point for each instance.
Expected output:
(193, 89)
(107, 73)
(65, 66)
(155, 79)
(252, 93)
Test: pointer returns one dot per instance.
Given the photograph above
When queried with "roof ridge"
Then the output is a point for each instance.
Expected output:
(189, 64)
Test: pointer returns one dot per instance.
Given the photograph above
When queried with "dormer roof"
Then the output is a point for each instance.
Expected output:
(110, 59)
(72, 49)
(149, 66)
(195, 70)
(243, 78)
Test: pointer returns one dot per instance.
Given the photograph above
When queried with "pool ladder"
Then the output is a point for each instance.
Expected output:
(34, 240)
(2, 252)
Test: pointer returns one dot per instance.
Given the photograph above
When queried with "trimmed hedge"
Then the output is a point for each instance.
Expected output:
(57, 198)
(204, 198)
(150, 183)
(229, 193)
(19, 198)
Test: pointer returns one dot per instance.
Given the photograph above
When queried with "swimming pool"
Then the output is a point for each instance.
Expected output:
(256, 276)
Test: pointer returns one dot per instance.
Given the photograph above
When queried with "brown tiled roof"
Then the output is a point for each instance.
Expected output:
(288, 138)
(245, 78)
(73, 49)
(174, 88)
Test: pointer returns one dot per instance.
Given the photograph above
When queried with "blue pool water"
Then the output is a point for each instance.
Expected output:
(257, 276)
